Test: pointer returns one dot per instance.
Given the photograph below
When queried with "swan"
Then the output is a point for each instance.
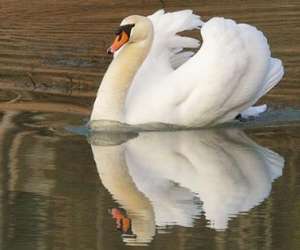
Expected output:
(162, 179)
(157, 76)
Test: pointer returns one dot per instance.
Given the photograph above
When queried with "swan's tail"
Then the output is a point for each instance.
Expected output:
(254, 111)
(274, 75)
(166, 26)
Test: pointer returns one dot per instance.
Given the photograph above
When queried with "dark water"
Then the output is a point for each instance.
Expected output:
(209, 189)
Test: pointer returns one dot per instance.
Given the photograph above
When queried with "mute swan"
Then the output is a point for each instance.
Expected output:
(152, 77)
(169, 178)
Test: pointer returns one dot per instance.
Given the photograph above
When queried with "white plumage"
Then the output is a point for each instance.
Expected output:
(228, 74)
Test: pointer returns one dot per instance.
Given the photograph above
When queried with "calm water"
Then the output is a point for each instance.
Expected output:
(209, 189)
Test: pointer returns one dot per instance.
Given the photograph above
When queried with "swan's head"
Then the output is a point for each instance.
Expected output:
(132, 29)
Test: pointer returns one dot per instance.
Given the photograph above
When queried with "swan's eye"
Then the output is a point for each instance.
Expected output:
(124, 28)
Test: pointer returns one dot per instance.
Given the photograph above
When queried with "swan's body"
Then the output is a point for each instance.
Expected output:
(151, 80)
(172, 177)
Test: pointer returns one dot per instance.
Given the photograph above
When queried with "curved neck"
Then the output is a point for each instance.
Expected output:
(111, 96)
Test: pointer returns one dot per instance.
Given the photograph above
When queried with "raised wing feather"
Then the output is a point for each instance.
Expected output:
(166, 52)
(167, 44)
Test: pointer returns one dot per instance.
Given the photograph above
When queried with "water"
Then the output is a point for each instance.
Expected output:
(205, 189)
(208, 189)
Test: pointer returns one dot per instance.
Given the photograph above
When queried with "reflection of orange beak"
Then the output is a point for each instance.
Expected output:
(122, 221)
(119, 41)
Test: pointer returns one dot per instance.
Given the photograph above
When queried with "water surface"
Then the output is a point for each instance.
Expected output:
(209, 189)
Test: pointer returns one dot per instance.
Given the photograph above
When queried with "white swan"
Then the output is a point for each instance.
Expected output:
(160, 179)
(153, 79)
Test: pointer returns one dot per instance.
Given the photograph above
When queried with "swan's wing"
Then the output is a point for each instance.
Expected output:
(166, 53)
(226, 76)
(168, 45)
(232, 69)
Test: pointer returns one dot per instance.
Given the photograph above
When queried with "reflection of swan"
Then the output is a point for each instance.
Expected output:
(159, 178)
(152, 80)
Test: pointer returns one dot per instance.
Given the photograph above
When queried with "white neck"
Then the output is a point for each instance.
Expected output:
(111, 96)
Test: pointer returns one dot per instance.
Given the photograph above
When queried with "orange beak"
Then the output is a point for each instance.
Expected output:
(119, 41)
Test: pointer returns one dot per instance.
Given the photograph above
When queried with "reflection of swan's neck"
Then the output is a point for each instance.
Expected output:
(113, 171)
(112, 93)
